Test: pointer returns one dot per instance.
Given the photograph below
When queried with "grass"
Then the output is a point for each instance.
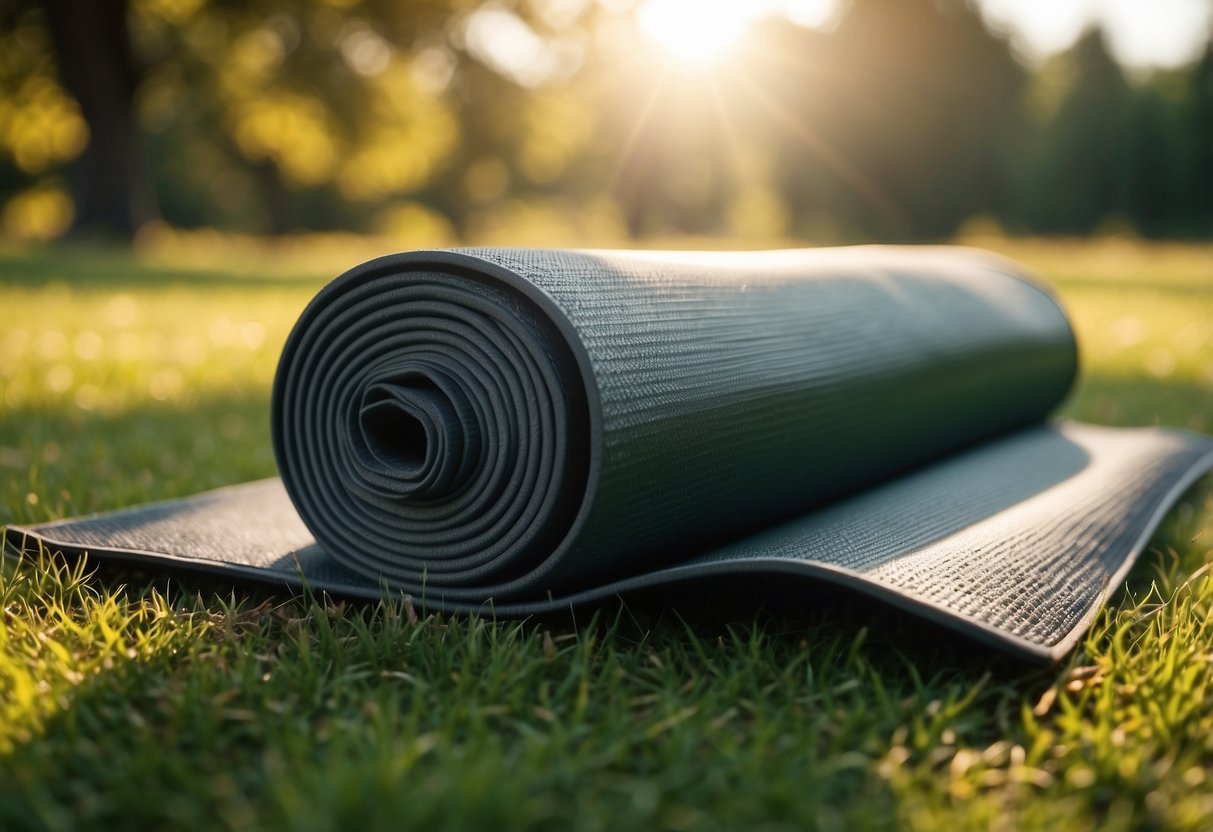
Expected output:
(132, 702)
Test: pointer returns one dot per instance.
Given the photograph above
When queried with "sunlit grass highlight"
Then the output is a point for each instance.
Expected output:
(128, 700)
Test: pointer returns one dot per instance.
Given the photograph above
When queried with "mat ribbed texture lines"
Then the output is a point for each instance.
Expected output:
(527, 429)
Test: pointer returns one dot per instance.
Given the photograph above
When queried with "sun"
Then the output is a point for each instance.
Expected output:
(697, 33)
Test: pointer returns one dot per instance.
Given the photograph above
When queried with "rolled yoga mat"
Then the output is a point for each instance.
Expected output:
(523, 430)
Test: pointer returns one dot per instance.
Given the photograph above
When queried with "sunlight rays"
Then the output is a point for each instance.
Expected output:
(705, 63)
(632, 140)
(833, 159)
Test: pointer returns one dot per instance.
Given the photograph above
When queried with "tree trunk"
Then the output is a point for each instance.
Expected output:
(275, 200)
(111, 181)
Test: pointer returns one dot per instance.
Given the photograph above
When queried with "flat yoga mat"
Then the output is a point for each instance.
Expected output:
(522, 430)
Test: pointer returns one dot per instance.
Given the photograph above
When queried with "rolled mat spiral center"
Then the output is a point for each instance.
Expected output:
(524, 430)
(433, 426)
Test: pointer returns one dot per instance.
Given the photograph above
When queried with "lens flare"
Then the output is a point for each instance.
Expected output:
(697, 33)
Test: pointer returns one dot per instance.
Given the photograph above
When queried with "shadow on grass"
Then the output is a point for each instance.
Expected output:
(721, 699)
(282, 712)
(730, 701)
(100, 462)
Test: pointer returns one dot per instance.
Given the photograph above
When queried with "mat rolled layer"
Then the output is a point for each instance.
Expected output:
(527, 429)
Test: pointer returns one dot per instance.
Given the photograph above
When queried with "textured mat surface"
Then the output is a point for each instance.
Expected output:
(531, 429)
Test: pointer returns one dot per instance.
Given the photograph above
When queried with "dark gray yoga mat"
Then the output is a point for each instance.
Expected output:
(521, 430)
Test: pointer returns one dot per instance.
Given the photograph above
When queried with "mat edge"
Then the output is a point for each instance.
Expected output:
(790, 567)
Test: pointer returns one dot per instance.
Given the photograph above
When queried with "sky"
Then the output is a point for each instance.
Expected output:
(1142, 33)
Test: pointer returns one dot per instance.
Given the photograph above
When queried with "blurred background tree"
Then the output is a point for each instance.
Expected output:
(582, 120)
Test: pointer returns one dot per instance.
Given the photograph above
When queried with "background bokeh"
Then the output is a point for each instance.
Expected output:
(253, 149)
(587, 121)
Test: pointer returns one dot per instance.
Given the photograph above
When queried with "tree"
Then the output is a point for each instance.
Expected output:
(1079, 173)
(111, 181)
(902, 114)
(277, 98)
(1158, 189)
(272, 115)
(1198, 125)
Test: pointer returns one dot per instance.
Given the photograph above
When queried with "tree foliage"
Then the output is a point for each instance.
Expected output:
(491, 119)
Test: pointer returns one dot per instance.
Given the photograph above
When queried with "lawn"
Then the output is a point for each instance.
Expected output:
(132, 701)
